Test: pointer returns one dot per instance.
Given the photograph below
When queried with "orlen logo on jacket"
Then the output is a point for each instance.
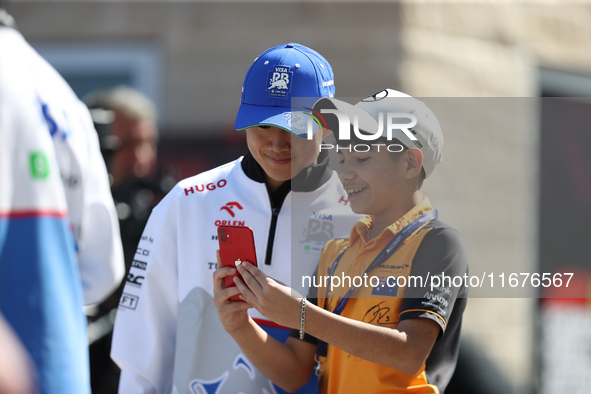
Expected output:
(230, 207)
(210, 186)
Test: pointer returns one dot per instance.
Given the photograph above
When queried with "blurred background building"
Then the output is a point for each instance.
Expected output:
(510, 83)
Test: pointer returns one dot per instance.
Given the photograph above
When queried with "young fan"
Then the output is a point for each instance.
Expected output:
(389, 333)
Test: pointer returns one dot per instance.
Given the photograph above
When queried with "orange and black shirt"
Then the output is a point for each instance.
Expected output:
(434, 249)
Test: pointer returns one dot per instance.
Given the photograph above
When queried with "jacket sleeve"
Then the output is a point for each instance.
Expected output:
(145, 328)
(100, 254)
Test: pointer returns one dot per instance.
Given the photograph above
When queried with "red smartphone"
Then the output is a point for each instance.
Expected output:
(236, 245)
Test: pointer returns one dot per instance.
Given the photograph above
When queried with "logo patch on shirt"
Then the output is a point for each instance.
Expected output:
(386, 288)
(139, 264)
(280, 82)
(39, 165)
(319, 231)
(135, 280)
(210, 186)
(230, 206)
(229, 223)
(128, 301)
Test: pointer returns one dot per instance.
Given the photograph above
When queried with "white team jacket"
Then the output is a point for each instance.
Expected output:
(83, 172)
(52, 181)
(168, 336)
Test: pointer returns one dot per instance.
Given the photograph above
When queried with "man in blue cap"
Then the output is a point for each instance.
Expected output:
(168, 336)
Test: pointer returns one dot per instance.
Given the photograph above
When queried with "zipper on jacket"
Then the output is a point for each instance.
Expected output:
(307, 181)
(271, 237)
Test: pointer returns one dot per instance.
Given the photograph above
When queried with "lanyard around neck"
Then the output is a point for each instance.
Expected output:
(384, 255)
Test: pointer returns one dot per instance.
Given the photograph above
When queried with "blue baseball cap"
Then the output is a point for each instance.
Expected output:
(280, 74)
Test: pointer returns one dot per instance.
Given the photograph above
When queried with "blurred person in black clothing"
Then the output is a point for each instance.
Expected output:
(126, 123)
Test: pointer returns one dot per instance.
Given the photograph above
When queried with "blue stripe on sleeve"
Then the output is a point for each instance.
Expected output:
(41, 297)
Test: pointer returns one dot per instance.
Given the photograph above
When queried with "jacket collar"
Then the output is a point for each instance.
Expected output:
(364, 224)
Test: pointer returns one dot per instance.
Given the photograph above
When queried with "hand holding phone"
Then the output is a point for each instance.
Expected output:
(236, 246)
